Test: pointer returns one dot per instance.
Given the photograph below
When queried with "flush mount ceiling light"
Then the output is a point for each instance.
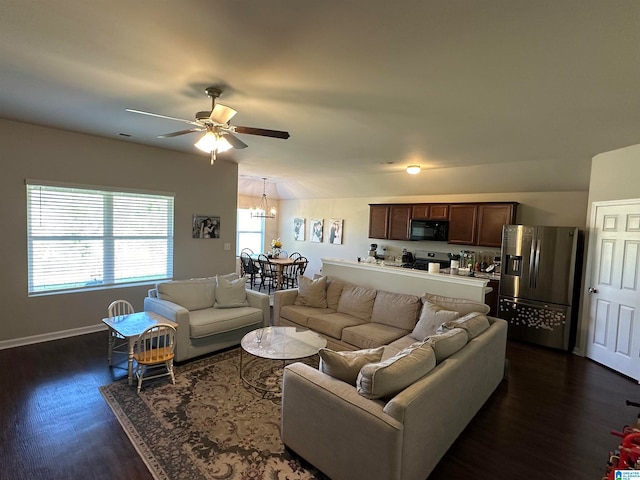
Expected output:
(213, 143)
(413, 169)
(263, 210)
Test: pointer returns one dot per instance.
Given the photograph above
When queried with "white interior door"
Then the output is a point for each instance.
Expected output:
(613, 286)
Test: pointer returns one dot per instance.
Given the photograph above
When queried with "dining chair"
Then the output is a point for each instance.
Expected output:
(155, 353)
(246, 250)
(249, 268)
(295, 255)
(117, 343)
(268, 273)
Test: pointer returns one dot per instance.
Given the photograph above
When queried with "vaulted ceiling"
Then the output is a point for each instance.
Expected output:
(487, 96)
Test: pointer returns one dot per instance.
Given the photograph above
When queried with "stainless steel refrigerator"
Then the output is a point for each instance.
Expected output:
(539, 283)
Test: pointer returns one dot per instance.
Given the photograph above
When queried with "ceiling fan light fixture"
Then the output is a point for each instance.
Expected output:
(207, 143)
(413, 169)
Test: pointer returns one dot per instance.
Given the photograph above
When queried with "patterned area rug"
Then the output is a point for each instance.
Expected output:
(209, 425)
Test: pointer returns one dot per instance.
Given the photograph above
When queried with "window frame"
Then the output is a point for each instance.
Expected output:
(112, 269)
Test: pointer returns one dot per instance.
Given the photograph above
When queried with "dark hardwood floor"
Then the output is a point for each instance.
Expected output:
(551, 420)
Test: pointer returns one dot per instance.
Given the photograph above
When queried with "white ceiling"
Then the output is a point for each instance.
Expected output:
(488, 96)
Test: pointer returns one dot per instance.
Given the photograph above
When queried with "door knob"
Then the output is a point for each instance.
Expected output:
(593, 290)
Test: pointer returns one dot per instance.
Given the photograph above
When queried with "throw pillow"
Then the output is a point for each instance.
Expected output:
(473, 323)
(387, 378)
(447, 343)
(190, 294)
(461, 305)
(431, 317)
(345, 366)
(312, 293)
(231, 293)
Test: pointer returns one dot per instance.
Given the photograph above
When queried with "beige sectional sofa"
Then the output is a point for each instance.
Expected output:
(212, 313)
(412, 395)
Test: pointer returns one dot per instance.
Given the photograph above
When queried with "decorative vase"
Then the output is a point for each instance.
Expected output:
(275, 252)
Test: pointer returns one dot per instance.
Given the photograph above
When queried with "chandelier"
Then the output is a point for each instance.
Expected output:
(263, 210)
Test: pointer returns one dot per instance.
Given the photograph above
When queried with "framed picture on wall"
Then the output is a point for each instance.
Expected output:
(298, 229)
(335, 231)
(316, 229)
(205, 226)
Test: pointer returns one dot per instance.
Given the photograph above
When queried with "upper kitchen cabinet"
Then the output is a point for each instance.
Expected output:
(463, 223)
(491, 219)
(378, 221)
(435, 211)
(399, 216)
(480, 224)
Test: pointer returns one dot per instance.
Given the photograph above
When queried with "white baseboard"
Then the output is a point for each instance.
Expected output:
(46, 337)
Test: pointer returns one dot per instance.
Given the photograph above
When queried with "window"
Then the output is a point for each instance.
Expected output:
(81, 238)
(250, 232)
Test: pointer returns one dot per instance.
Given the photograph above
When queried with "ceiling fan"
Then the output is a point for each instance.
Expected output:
(219, 136)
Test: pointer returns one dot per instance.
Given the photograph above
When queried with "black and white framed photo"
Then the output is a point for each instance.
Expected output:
(316, 230)
(335, 231)
(298, 229)
(205, 226)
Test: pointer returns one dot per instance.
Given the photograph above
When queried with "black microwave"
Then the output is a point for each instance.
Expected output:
(434, 230)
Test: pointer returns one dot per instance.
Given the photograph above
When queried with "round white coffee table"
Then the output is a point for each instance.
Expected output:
(282, 344)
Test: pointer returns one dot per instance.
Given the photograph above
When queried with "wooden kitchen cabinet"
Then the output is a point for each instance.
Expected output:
(463, 223)
(491, 219)
(378, 221)
(399, 216)
(480, 224)
(430, 211)
(492, 297)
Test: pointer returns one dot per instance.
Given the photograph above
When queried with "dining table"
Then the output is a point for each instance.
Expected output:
(280, 264)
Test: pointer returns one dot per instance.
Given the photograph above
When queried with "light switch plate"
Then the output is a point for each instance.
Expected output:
(227, 246)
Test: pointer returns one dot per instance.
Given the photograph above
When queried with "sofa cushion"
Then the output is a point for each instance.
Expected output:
(461, 305)
(210, 321)
(357, 301)
(345, 366)
(334, 290)
(331, 324)
(431, 317)
(300, 315)
(396, 309)
(231, 293)
(312, 293)
(473, 323)
(370, 335)
(191, 294)
(447, 343)
(389, 377)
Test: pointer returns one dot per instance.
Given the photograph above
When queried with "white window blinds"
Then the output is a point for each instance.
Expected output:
(82, 238)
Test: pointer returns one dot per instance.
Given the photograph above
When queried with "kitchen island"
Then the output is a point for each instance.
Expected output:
(396, 279)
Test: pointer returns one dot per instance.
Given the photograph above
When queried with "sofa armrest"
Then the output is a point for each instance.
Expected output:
(174, 312)
(261, 301)
(282, 298)
(326, 422)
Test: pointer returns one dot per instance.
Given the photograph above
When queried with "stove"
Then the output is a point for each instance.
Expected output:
(423, 258)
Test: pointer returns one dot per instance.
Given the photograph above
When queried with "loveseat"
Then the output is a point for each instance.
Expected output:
(212, 313)
(389, 411)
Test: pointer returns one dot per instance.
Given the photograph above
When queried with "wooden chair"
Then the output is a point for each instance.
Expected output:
(249, 268)
(268, 273)
(295, 255)
(155, 352)
(247, 251)
(117, 343)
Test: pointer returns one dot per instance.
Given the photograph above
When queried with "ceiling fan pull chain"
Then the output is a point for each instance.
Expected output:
(213, 156)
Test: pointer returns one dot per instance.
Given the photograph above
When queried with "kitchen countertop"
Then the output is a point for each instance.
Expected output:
(465, 273)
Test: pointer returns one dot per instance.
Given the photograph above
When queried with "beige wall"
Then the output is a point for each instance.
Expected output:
(539, 208)
(46, 154)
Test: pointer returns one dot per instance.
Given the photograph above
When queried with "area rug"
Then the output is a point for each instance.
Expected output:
(209, 425)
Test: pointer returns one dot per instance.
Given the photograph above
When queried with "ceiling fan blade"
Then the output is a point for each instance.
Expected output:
(162, 116)
(222, 114)
(181, 132)
(262, 131)
(234, 141)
